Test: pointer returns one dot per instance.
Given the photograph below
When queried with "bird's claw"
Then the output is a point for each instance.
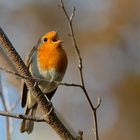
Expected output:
(36, 83)
(49, 112)
(51, 108)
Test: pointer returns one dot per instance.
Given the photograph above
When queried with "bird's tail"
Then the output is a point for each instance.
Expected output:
(27, 125)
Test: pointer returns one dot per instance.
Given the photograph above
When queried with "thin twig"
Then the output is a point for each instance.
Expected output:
(36, 78)
(95, 127)
(6, 109)
(21, 116)
(80, 66)
(70, 85)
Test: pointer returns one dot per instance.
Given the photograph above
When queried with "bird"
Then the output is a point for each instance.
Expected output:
(47, 60)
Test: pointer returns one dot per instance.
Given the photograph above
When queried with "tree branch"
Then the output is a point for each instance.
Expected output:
(21, 116)
(38, 79)
(44, 104)
(80, 67)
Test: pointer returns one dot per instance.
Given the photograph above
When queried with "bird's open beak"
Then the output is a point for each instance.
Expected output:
(59, 41)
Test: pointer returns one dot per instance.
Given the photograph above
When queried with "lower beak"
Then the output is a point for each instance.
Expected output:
(59, 42)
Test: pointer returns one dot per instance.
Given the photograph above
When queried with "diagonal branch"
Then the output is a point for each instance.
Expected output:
(44, 104)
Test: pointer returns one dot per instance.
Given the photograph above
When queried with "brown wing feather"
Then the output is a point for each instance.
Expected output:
(27, 125)
(24, 94)
(50, 94)
(24, 89)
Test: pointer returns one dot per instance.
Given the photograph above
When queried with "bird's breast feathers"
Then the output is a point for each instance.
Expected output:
(52, 75)
(48, 58)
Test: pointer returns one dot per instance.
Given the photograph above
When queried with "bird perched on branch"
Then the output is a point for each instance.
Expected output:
(46, 60)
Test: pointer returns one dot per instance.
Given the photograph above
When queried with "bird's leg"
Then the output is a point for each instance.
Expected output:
(36, 83)
(51, 108)
(45, 117)
(50, 103)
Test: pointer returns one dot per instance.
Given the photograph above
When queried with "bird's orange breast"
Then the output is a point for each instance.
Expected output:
(49, 57)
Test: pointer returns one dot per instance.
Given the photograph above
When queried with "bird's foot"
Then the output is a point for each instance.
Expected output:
(46, 116)
(36, 83)
(51, 108)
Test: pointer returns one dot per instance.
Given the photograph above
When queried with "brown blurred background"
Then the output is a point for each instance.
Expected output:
(108, 36)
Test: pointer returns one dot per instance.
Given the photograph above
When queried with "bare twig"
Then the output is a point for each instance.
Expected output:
(6, 109)
(70, 85)
(99, 103)
(37, 79)
(80, 66)
(40, 98)
(21, 116)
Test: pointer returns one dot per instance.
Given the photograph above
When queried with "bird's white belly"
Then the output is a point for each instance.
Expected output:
(52, 79)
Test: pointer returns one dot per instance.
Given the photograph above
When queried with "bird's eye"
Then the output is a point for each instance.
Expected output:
(45, 39)
(54, 39)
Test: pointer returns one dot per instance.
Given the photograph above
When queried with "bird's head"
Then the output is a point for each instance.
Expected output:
(50, 39)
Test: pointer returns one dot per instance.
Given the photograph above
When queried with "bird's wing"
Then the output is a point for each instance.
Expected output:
(24, 89)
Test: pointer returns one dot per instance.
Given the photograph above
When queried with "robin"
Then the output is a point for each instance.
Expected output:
(46, 60)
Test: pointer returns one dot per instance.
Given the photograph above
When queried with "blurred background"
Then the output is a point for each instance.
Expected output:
(108, 36)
